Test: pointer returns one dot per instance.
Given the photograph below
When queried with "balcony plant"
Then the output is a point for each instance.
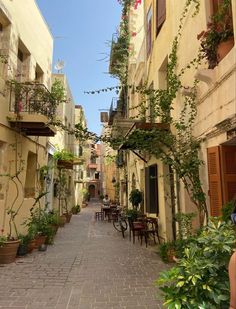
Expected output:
(219, 31)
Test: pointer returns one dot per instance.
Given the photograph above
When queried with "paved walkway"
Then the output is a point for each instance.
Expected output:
(90, 266)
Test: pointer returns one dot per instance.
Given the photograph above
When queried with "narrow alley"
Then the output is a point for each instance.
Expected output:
(89, 266)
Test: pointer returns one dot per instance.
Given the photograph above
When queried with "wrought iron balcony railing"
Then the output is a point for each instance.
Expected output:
(32, 98)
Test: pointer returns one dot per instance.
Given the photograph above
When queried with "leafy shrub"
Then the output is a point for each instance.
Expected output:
(176, 247)
(132, 213)
(200, 278)
(185, 224)
(75, 209)
(227, 210)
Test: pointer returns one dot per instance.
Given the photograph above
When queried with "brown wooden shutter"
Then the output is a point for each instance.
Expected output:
(228, 163)
(149, 31)
(214, 175)
(160, 14)
(215, 5)
(147, 191)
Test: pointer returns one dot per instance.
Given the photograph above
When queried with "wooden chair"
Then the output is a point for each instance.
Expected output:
(152, 229)
(99, 215)
(135, 229)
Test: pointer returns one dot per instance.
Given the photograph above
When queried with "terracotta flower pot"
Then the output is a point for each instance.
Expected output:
(68, 217)
(224, 48)
(62, 220)
(31, 245)
(40, 240)
(8, 251)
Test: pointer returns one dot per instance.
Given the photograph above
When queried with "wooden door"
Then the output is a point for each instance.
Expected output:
(222, 176)
(214, 176)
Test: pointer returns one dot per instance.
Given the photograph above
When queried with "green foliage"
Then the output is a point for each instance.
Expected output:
(220, 29)
(200, 278)
(132, 213)
(25, 239)
(76, 209)
(85, 194)
(3, 240)
(174, 142)
(185, 224)
(57, 92)
(39, 222)
(227, 210)
(135, 197)
(120, 48)
(63, 155)
(173, 248)
(42, 101)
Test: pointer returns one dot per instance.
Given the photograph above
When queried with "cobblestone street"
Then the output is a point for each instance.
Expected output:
(89, 266)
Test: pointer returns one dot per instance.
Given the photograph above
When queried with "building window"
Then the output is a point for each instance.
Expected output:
(160, 14)
(151, 189)
(96, 175)
(20, 55)
(38, 74)
(30, 175)
(23, 63)
(149, 31)
(93, 159)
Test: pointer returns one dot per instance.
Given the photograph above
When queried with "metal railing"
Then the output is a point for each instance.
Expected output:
(32, 98)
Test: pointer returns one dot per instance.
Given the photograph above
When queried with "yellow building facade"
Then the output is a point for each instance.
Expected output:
(153, 26)
(26, 55)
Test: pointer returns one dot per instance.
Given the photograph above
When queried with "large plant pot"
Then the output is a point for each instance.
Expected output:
(84, 205)
(8, 251)
(62, 220)
(22, 250)
(54, 228)
(224, 48)
(31, 245)
(40, 240)
(68, 217)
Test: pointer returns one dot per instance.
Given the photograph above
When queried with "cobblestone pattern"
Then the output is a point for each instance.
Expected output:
(90, 266)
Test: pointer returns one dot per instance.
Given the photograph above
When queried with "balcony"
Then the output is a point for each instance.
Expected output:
(69, 164)
(31, 109)
(92, 166)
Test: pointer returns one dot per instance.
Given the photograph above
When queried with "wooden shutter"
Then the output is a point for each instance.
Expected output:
(214, 176)
(149, 31)
(228, 163)
(147, 191)
(160, 14)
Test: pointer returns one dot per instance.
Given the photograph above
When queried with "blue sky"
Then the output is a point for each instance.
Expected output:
(82, 31)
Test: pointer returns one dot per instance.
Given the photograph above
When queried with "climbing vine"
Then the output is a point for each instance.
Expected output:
(176, 146)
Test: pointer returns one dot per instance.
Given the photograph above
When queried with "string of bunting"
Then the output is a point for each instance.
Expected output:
(117, 88)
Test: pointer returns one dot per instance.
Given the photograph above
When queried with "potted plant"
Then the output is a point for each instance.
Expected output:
(75, 209)
(132, 214)
(8, 249)
(86, 197)
(135, 197)
(24, 243)
(218, 39)
(39, 225)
